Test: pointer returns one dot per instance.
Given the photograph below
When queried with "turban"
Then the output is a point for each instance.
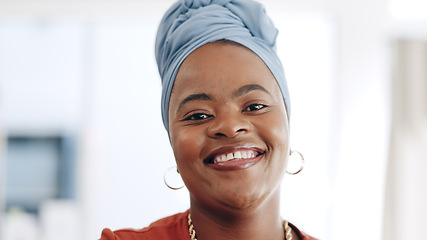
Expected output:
(190, 24)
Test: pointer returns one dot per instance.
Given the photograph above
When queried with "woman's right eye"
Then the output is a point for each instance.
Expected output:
(198, 117)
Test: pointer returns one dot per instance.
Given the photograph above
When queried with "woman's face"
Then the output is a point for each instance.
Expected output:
(228, 127)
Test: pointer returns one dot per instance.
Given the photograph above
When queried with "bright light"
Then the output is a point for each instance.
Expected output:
(408, 9)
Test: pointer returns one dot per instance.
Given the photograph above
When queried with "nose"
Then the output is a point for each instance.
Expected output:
(228, 124)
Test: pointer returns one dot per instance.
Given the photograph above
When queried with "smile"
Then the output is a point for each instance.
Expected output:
(237, 159)
(243, 154)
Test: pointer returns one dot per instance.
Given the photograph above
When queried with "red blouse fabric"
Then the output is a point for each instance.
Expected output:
(170, 228)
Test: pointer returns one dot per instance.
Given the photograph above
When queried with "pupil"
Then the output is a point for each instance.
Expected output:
(199, 116)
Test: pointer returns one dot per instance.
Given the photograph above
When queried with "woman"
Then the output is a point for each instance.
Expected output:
(226, 106)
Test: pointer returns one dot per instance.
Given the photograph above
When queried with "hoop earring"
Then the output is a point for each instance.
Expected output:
(166, 182)
(301, 166)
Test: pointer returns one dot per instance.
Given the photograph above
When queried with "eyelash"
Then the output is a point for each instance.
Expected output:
(199, 116)
(193, 117)
(257, 107)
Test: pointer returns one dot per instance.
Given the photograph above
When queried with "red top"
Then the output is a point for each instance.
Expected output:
(174, 227)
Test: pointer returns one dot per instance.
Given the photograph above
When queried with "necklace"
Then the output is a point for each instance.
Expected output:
(193, 236)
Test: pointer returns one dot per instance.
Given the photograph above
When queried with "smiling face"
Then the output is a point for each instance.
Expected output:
(228, 127)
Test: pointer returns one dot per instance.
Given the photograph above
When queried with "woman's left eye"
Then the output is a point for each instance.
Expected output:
(254, 107)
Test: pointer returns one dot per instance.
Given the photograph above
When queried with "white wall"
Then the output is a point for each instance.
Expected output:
(126, 148)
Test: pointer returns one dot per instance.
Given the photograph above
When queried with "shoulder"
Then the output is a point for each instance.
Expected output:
(172, 227)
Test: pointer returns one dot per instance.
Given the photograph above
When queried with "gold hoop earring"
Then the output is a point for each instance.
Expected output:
(301, 166)
(165, 176)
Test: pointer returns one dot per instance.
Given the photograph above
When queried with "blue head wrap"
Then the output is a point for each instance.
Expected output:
(190, 24)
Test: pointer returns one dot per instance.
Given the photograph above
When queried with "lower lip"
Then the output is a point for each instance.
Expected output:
(234, 165)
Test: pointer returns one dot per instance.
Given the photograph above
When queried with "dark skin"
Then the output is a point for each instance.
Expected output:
(226, 101)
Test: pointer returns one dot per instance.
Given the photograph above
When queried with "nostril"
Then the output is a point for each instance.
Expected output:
(228, 127)
(220, 135)
(241, 130)
(229, 134)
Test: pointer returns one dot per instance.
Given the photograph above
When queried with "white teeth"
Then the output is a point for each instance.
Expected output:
(236, 155)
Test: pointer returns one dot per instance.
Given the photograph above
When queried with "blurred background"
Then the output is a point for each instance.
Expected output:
(82, 145)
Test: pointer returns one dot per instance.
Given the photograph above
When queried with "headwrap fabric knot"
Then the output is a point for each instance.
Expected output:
(190, 24)
(186, 4)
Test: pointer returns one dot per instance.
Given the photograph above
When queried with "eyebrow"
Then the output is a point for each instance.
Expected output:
(249, 88)
(195, 97)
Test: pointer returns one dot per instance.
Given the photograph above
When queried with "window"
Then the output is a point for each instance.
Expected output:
(38, 168)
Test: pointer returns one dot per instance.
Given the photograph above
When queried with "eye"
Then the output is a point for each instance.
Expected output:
(197, 117)
(254, 107)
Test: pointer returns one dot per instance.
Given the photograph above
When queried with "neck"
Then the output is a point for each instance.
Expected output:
(259, 221)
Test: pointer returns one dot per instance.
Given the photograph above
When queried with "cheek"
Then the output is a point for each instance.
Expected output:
(275, 132)
(186, 148)
(274, 128)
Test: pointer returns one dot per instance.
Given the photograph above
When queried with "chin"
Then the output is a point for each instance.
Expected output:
(237, 201)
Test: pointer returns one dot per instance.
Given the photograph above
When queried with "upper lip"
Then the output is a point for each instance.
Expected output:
(232, 149)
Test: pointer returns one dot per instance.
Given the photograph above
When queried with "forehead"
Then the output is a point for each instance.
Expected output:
(221, 66)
